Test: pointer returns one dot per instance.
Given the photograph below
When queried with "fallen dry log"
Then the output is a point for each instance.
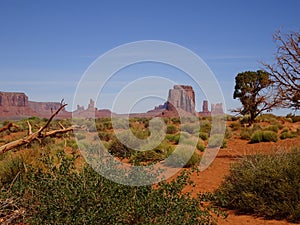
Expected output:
(38, 135)
(8, 126)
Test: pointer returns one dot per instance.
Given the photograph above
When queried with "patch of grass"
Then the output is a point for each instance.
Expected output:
(264, 136)
(264, 185)
(288, 134)
(235, 126)
(274, 128)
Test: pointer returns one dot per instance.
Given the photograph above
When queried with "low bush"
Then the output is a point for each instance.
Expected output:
(200, 146)
(61, 195)
(183, 157)
(263, 136)
(235, 126)
(119, 149)
(264, 185)
(274, 128)
(171, 129)
(269, 136)
(203, 136)
(80, 136)
(104, 136)
(205, 126)
(189, 128)
(246, 133)
(216, 140)
(174, 138)
(287, 134)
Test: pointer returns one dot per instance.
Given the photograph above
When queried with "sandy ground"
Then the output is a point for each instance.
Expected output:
(210, 179)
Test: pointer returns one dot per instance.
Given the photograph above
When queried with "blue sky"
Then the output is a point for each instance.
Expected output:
(46, 46)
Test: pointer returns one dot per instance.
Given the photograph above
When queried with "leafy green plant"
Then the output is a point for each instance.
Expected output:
(200, 146)
(264, 185)
(63, 195)
(203, 136)
(171, 129)
(174, 138)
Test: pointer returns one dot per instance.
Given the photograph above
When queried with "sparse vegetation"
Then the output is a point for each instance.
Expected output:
(264, 136)
(61, 195)
(264, 185)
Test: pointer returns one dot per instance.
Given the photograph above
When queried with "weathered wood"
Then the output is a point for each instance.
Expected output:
(38, 135)
(8, 126)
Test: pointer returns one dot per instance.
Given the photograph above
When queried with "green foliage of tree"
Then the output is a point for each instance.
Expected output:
(255, 92)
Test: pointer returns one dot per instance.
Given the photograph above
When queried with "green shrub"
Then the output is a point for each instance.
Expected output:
(140, 133)
(245, 119)
(205, 126)
(200, 146)
(174, 138)
(171, 129)
(235, 126)
(224, 144)
(265, 136)
(287, 134)
(157, 154)
(80, 136)
(246, 133)
(269, 136)
(266, 118)
(296, 119)
(216, 140)
(274, 128)
(118, 149)
(189, 128)
(264, 185)
(104, 136)
(203, 136)
(228, 133)
(60, 195)
(10, 169)
(257, 137)
(182, 157)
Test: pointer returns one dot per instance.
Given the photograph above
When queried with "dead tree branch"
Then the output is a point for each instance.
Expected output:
(38, 135)
(8, 126)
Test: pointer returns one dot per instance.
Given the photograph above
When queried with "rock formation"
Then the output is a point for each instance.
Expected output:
(8, 99)
(181, 97)
(181, 101)
(15, 105)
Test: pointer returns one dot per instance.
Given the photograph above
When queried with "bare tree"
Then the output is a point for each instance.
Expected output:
(285, 72)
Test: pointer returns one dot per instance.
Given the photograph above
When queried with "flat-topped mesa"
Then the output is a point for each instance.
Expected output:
(12, 99)
(181, 97)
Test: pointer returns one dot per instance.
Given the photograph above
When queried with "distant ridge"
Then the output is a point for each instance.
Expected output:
(181, 99)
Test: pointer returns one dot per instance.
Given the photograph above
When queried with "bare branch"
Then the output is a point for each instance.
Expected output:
(8, 126)
(38, 135)
(29, 128)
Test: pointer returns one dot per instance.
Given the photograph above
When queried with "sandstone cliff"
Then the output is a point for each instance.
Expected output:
(181, 97)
